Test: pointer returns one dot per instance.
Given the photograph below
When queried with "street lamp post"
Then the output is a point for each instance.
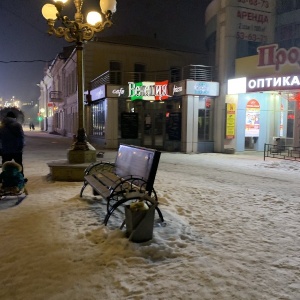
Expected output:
(79, 32)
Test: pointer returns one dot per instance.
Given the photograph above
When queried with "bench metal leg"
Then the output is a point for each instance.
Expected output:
(133, 197)
(160, 214)
(111, 211)
(85, 183)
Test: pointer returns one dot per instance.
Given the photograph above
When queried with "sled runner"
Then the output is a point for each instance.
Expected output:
(12, 189)
(10, 197)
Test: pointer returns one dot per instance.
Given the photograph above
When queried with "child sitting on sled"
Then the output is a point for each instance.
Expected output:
(11, 178)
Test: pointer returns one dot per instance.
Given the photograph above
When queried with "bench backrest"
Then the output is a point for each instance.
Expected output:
(139, 162)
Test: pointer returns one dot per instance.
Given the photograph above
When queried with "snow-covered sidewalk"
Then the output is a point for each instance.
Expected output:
(232, 233)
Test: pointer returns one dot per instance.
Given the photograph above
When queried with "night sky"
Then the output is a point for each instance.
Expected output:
(24, 37)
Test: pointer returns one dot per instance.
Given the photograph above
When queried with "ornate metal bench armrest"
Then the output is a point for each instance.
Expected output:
(99, 167)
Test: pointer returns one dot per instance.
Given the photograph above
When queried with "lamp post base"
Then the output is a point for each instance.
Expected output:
(62, 170)
(72, 168)
(77, 155)
(81, 151)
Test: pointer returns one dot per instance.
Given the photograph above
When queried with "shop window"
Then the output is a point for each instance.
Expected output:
(115, 72)
(98, 116)
(290, 126)
(290, 118)
(246, 48)
(50, 111)
(60, 120)
(139, 72)
(130, 113)
(173, 120)
(175, 74)
(205, 119)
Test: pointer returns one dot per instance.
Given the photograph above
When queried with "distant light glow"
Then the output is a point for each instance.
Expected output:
(62, 1)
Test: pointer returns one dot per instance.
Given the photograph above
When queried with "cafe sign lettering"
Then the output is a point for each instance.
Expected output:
(148, 90)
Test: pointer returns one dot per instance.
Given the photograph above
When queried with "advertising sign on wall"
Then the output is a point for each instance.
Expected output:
(271, 83)
(271, 61)
(272, 55)
(252, 118)
(116, 91)
(148, 90)
(281, 120)
(98, 93)
(230, 120)
(254, 20)
(177, 88)
(202, 88)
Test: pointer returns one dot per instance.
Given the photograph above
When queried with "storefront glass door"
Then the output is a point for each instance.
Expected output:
(154, 129)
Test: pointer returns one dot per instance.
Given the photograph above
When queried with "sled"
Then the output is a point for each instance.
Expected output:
(10, 198)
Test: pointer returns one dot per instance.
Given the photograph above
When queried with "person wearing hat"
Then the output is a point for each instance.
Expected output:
(12, 140)
(11, 178)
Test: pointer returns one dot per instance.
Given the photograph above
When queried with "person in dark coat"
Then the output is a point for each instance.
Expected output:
(31, 126)
(12, 139)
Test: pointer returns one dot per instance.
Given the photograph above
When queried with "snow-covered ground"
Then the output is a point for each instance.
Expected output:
(232, 233)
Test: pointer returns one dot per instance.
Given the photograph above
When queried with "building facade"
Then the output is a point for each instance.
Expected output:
(175, 116)
(234, 28)
(239, 32)
(264, 100)
(174, 122)
(235, 31)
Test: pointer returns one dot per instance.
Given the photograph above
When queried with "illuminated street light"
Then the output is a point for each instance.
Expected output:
(79, 32)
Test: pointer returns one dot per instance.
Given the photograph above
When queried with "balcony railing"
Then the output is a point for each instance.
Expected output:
(282, 152)
(198, 73)
(194, 72)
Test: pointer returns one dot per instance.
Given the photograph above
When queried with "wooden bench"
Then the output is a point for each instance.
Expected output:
(130, 178)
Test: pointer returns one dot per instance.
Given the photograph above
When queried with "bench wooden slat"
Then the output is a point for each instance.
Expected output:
(104, 179)
(97, 186)
(109, 176)
(110, 180)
